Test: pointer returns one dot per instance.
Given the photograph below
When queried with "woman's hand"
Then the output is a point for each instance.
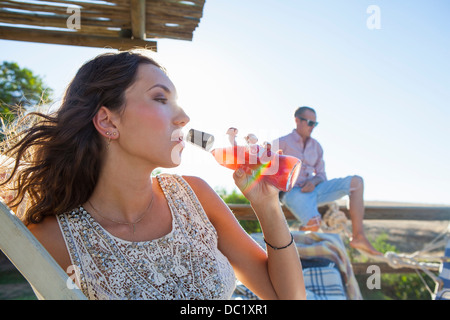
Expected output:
(255, 190)
(284, 269)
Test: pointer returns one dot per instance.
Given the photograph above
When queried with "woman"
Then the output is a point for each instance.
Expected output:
(95, 206)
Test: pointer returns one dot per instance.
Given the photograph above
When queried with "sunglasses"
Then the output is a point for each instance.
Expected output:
(310, 123)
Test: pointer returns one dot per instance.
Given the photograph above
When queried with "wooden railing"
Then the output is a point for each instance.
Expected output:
(372, 212)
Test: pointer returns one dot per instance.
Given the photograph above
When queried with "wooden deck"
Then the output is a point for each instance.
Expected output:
(374, 211)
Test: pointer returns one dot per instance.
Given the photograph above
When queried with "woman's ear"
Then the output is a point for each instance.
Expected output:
(104, 122)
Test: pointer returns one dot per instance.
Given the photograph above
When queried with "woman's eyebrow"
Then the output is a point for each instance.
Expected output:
(160, 86)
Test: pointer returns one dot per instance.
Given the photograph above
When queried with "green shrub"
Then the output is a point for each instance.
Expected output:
(236, 197)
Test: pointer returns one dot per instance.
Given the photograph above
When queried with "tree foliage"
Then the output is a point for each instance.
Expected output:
(20, 89)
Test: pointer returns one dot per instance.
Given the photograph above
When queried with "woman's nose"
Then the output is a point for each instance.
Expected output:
(182, 118)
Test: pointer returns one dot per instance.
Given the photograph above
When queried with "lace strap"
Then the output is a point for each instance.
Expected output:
(72, 245)
(176, 189)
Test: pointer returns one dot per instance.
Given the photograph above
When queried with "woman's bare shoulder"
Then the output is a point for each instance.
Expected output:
(48, 233)
(45, 231)
(197, 183)
(205, 193)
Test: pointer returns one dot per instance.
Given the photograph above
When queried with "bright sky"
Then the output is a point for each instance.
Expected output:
(382, 94)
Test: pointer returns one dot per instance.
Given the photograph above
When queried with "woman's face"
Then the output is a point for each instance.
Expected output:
(150, 126)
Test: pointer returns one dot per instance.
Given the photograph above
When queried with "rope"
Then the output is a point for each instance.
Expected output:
(398, 260)
(335, 221)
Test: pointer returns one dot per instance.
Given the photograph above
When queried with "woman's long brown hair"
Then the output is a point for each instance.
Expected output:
(59, 157)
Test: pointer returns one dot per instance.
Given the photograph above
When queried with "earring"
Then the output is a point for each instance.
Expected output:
(109, 139)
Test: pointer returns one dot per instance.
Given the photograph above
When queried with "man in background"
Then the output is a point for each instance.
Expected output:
(312, 188)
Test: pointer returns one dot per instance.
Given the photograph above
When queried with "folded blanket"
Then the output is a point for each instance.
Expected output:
(313, 245)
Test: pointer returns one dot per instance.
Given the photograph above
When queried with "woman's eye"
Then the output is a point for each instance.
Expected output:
(161, 100)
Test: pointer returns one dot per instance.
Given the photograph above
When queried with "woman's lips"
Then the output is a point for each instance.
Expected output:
(178, 136)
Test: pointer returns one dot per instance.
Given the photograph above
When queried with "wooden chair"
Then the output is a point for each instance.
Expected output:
(46, 277)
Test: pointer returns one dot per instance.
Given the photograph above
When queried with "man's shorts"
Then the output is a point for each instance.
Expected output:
(303, 205)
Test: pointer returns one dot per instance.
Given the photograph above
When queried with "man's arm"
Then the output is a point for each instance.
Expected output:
(319, 170)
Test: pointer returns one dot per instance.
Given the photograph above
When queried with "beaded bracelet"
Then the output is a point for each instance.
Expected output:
(276, 248)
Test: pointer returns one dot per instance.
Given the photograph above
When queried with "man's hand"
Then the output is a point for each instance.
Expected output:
(309, 186)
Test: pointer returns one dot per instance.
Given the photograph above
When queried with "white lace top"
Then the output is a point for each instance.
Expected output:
(184, 264)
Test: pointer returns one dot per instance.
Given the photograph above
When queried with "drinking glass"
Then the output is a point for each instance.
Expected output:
(279, 170)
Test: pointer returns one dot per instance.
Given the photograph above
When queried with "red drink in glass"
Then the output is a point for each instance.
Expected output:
(279, 170)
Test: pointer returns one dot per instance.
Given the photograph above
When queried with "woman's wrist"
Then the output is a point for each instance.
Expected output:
(269, 212)
(273, 224)
(280, 248)
(267, 204)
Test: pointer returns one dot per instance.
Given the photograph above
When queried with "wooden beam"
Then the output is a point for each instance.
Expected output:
(137, 8)
(423, 213)
(73, 39)
(361, 268)
(98, 28)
